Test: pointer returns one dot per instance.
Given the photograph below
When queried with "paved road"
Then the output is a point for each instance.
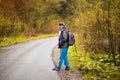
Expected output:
(28, 61)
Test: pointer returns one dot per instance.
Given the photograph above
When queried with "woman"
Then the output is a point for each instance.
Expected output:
(63, 45)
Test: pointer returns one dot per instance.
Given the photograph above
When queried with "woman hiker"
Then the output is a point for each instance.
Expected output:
(63, 45)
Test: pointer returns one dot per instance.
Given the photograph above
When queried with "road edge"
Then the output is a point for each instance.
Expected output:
(73, 74)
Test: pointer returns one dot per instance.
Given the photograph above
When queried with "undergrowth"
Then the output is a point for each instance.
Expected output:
(94, 66)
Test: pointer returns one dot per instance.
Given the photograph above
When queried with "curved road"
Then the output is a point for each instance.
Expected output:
(28, 61)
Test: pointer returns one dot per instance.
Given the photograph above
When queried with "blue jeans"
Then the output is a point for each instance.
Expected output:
(63, 56)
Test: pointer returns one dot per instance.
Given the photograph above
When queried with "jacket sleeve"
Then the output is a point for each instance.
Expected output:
(64, 38)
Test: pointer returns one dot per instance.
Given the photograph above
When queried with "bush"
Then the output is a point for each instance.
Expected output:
(94, 66)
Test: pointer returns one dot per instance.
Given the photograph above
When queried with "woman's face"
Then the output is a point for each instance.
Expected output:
(60, 27)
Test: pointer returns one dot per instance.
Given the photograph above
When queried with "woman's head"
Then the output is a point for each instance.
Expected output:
(62, 25)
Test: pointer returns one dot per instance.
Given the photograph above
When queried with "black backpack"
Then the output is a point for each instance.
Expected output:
(71, 39)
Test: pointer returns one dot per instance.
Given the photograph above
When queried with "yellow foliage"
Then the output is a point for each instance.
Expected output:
(7, 41)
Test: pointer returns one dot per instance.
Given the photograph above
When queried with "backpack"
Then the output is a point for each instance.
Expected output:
(71, 39)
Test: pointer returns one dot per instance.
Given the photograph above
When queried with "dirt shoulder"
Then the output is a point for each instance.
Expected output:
(72, 74)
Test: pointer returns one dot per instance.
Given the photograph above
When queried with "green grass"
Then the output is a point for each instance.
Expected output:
(7, 41)
(94, 66)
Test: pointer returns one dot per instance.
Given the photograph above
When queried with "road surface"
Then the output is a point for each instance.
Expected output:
(28, 61)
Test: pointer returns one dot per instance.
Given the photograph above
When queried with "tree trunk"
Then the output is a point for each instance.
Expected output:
(110, 35)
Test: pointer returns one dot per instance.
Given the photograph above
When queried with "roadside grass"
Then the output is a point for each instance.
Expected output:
(7, 41)
(94, 66)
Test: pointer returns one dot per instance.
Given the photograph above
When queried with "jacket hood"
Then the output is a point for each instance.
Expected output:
(63, 28)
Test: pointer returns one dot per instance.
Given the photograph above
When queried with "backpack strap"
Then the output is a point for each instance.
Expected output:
(68, 38)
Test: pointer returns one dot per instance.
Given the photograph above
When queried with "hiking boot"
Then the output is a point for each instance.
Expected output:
(67, 68)
(56, 69)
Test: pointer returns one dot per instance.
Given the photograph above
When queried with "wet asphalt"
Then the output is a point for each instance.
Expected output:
(28, 61)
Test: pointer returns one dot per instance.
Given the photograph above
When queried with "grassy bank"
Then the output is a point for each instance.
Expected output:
(7, 41)
(94, 66)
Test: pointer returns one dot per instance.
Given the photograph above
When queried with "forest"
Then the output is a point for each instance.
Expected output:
(96, 24)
